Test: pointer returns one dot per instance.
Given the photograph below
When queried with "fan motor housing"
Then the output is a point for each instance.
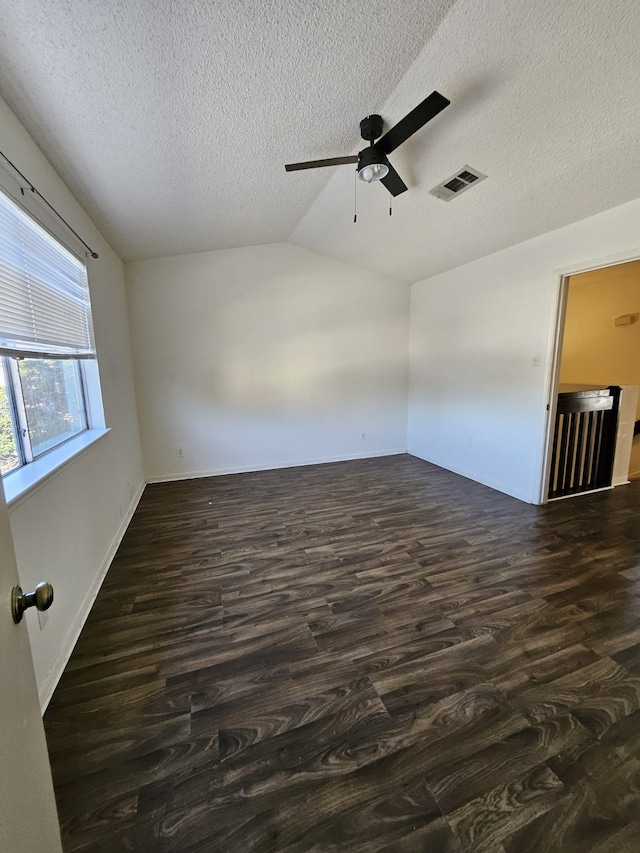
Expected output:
(370, 157)
(371, 127)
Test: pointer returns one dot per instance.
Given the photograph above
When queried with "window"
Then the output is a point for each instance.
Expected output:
(48, 375)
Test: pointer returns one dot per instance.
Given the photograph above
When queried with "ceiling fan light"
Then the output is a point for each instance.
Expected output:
(373, 172)
(366, 174)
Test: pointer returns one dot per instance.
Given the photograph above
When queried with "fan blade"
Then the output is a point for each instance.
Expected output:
(393, 182)
(316, 164)
(412, 122)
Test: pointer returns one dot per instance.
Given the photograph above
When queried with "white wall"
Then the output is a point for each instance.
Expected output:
(265, 357)
(475, 331)
(67, 530)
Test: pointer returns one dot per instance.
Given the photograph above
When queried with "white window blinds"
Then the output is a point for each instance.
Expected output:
(44, 296)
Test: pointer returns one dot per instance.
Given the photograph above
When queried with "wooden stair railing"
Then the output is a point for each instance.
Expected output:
(584, 441)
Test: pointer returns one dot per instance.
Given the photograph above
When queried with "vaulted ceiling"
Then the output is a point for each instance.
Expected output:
(172, 121)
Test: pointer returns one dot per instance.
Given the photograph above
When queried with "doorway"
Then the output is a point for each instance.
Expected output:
(598, 346)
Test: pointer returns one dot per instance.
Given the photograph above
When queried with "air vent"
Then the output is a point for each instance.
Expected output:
(455, 185)
(458, 183)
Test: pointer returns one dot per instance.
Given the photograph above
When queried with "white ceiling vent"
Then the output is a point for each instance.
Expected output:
(458, 183)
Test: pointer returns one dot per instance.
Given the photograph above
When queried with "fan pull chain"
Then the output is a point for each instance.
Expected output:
(390, 204)
(355, 196)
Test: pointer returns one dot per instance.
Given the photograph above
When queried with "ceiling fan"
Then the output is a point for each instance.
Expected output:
(373, 163)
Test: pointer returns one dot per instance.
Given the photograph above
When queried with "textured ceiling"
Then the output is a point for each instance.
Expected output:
(172, 121)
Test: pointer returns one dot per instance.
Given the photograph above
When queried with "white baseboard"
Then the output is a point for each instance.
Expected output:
(64, 653)
(299, 463)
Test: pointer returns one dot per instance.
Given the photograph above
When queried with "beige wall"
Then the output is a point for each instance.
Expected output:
(594, 349)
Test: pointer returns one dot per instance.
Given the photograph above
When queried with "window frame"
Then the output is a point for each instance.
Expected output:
(16, 395)
(34, 469)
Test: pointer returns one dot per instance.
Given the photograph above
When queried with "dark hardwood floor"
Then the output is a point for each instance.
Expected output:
(364, 656)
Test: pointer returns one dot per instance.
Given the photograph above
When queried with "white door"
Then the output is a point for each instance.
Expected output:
(28, 817)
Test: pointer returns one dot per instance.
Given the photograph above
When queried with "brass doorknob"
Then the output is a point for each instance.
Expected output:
(41, 598)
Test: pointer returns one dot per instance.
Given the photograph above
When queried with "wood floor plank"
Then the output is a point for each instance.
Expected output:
(374, 656)
(482, 823)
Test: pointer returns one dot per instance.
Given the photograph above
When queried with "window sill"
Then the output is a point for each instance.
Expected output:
(18, 484)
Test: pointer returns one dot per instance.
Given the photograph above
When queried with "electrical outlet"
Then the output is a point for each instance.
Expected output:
(43, 618)
(363, 436)
(179, 451)
(469, 441)
(535, 360)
